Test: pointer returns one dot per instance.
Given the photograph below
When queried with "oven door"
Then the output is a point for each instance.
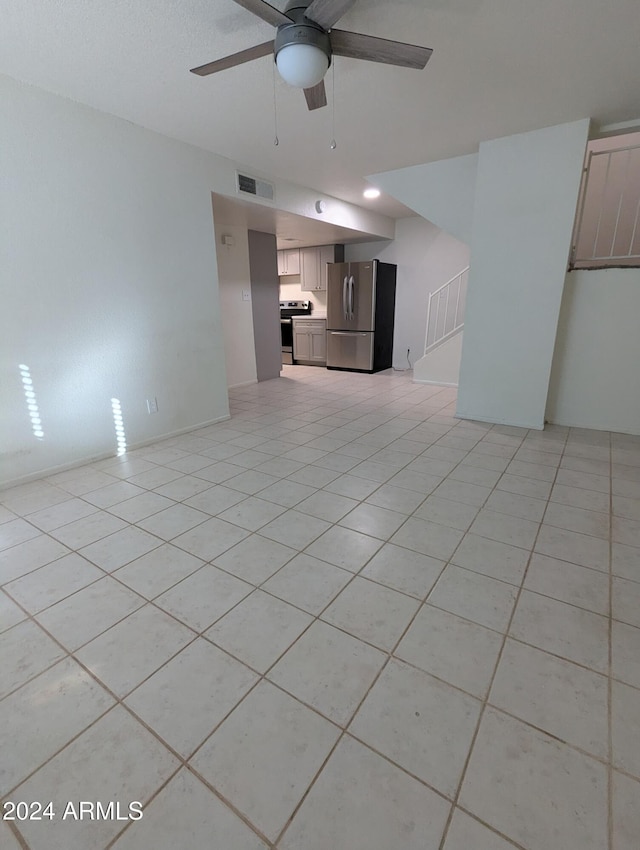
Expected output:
(286, 335)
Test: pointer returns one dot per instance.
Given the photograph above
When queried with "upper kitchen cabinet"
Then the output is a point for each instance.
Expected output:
(313, 265)
(289, 262)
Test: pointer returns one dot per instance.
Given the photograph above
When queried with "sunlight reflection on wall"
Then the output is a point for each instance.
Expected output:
(118, 422)
(32, 404)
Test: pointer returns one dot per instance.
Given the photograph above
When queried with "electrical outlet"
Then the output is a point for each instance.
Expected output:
(152, 405)
(246, 295)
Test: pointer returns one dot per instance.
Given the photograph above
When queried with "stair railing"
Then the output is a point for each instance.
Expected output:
(607, 227)
(445, 312)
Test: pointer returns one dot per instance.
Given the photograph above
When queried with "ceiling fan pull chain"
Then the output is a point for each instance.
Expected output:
(333, 144)
(276, 140)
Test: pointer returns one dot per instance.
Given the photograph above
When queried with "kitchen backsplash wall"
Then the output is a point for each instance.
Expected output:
(291, 291)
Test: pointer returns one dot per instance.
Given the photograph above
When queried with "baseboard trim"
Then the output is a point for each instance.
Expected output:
(538, 426)
(243, 384)
(435, 383)
(181, 431)
(618, 429)
(63, 467)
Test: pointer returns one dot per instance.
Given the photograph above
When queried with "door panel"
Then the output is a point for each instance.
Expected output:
(326, 255)
(301, 346)
(318, 341)
(362, 297)
(308, 269)
(346, 350)
(336, 296)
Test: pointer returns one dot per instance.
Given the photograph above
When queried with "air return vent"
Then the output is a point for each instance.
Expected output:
(251, 186)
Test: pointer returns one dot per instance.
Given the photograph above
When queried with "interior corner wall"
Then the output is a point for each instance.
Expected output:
(426, 257)
(595, 379)
(109, 283)
(525, 201)
(234, 278)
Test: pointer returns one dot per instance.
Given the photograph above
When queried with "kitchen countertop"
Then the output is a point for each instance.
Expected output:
(311, 318)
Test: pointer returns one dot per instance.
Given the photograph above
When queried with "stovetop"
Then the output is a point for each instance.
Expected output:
(288, 309)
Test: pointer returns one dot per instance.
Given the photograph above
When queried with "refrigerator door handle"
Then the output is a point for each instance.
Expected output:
(348, 333)
(351, 288)
(345, 308)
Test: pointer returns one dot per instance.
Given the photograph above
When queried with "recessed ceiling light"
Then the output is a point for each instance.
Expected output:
(371, 193)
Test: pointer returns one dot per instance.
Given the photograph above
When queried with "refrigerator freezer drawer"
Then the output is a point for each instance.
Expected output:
(350, 350)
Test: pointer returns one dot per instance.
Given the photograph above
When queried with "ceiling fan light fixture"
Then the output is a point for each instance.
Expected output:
(302, 65)
(305, 42)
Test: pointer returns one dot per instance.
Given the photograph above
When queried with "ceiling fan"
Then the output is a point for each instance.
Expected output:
(305, 43)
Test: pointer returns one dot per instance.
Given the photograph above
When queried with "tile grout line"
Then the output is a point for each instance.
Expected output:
(119, 701)
(168, 542)
(337, 524)
(345, 729)
(151, 601)
(16, 833)
(248, 469)
(201, 634)
(485, 701)
(354, 575)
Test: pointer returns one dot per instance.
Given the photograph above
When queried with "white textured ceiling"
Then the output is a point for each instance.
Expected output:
(499, 67)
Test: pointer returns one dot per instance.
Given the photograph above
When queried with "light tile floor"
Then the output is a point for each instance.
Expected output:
(341, 620)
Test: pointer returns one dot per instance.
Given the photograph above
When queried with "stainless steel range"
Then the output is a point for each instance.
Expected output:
(289, 309)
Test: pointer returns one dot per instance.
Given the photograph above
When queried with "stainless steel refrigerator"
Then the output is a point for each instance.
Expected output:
(361, 301)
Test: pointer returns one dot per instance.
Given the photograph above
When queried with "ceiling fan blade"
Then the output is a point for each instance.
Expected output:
(263, 10)
(235, 59)
(327, 12)
(316, 96)
(359, 46)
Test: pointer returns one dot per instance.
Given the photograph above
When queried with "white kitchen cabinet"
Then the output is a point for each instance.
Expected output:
(313, 265)
(310, 341)
(289, 262)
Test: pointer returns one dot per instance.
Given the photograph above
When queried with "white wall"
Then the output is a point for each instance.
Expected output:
(426, 258)
(525, 203)
(442, 192)
(595, 379)
(442, 364)
(109, 282)
(237, 319)
(109, 279)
